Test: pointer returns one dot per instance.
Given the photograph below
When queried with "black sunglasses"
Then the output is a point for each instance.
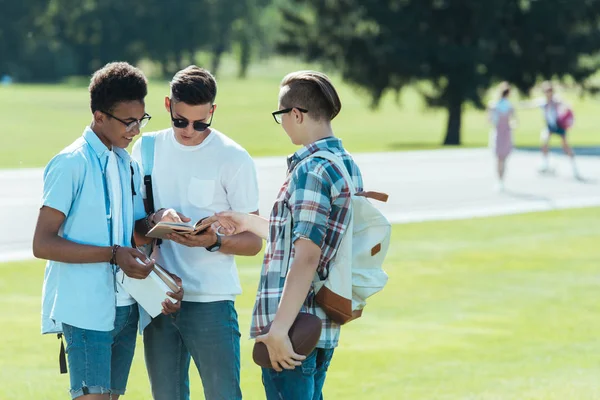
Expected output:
(132, 124)
(183, 123)
(278, 115)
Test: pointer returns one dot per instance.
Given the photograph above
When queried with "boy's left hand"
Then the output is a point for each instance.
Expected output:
(168, 306)
(204, 239)
(280, 349)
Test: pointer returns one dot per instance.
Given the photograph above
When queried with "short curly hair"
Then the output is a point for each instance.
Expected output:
(114, 83)
(194, 86)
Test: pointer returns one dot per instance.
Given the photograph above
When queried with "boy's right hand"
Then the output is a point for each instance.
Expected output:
(126, 260)
(231, 222)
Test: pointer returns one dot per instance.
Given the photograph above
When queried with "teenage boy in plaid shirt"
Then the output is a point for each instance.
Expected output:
(316, 198)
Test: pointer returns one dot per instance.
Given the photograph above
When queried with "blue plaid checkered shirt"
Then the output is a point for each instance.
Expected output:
(316, 199)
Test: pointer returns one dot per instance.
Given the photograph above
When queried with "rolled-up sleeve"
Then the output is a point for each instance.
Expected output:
(61, 182)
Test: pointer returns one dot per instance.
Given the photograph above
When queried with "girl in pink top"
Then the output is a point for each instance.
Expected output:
(501, 114)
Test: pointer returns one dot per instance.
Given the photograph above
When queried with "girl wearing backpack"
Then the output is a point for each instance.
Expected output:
(559, 119)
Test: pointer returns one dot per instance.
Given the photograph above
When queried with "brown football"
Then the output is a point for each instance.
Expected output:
(304, 335)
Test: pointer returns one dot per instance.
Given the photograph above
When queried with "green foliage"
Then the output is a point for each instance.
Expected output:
(459, 47)
(48, 40)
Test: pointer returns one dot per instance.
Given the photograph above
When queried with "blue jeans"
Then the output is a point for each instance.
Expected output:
(99, 362)
(302, 383)
(206, 332)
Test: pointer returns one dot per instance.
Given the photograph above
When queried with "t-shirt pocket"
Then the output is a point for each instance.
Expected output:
(201, 192)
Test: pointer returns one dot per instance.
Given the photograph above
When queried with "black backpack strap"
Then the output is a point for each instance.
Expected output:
(62, 355)
(149, 193)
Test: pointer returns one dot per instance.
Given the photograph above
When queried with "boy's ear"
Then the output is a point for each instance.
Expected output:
(98, 117)
(168, 104)
(298, 116)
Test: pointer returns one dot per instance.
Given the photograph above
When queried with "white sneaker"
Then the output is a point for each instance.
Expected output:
(499, 187)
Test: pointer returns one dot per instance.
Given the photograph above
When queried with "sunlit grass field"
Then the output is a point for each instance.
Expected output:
(486, 309)
(37, 121)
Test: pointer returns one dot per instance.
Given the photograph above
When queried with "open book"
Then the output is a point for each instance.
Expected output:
(151, 291)
(163, 228)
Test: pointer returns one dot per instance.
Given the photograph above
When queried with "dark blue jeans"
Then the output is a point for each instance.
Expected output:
(302, 383)
(208, 333)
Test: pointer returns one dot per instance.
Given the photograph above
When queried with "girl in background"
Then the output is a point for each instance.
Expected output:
(501, 114)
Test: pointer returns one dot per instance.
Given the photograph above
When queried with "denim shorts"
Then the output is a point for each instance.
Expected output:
(556, 130)
(99, 362)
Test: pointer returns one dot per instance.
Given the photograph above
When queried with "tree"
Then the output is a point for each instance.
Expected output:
(21, 40)
(459, 47)
(96, 31)
(256, 30)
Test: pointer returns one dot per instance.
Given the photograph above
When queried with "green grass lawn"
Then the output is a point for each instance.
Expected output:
(39, 120)
(495, 308)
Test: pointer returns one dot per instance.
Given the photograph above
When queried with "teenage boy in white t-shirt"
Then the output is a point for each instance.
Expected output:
(197, 172)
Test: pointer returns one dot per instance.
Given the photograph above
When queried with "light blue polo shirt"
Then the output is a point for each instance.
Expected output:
(83, 295)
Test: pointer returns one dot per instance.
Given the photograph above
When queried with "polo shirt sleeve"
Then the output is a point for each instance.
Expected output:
(62, 181)
(310, 203)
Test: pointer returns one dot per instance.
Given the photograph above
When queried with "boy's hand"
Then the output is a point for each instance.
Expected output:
(170, 215)
(280, 349)
(127, 259)
(168, 306)
(205, 238)
(231, 222)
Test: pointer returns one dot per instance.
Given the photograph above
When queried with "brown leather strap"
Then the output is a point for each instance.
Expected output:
(379, 196)
(376, 249)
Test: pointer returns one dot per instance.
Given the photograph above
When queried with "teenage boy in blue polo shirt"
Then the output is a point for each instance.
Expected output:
(85, 229)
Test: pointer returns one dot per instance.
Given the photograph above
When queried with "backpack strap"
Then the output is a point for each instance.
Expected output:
(148, 144)
(338, 162)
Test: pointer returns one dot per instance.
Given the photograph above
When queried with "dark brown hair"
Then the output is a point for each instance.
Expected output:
(114, 83)
(504, 89)
(194, 85)
(312, 91)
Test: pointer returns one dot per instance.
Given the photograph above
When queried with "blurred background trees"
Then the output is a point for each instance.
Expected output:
(452, 51)
(458, 48)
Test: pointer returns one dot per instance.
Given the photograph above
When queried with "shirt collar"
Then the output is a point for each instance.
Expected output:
(328, 143)
(100, 148)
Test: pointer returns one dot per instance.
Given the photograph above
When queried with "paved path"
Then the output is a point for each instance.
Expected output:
(423, 185)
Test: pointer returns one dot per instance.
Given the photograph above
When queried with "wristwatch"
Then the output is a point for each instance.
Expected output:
(216, 246)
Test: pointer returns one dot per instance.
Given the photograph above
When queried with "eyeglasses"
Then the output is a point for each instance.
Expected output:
(132, 124)
(278, 115)
(183, 123)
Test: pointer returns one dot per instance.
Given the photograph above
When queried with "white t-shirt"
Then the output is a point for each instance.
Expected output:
(116, 210)
(198, 181)
(550, 112)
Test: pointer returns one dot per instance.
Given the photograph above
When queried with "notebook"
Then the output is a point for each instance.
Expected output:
(163, 228)
(151, 291)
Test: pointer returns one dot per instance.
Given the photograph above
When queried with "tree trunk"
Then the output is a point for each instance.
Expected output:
(179, 59)
(245, 51)
(164, 68)
(454, 122)
(216, 60)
